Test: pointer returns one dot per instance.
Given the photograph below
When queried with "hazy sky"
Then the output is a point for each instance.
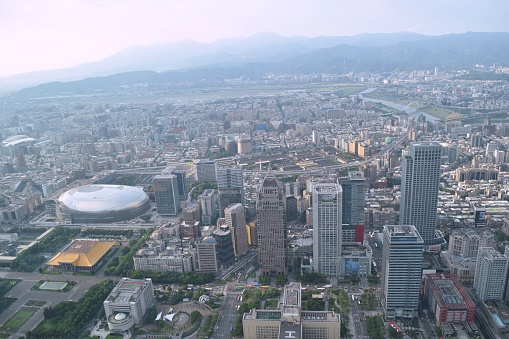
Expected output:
(48, 34)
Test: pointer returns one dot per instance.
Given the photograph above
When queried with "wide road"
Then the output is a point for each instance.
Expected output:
(358, 319)
(226, 319)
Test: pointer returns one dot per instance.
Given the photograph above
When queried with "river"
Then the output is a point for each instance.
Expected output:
(400, 107)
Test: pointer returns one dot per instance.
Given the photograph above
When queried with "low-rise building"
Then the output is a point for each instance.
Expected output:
(156, 260)
(128, 303)
(448, 299)
(355, 261)
(289, 321)
(82, 255)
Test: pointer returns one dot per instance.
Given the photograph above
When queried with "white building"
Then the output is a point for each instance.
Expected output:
(128, 302)
(401, 271)
(420, 177)
(327, 227)
(490, 274)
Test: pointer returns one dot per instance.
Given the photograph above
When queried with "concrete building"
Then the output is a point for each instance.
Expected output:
(354, 198)
(127, 303)
(224, 247)
(289, 321)
(355, 261)
(230, 186)
(208, 200)
(205, 170)
(157, 259)
(327, 226)
(401, 271)
(490, 274)
(447, 299)
(420, 176)
(236, 221)
(206, 255)
(271, 225)
(465, 243)
(166, 194)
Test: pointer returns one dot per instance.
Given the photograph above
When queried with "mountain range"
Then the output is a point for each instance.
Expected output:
(189, 60)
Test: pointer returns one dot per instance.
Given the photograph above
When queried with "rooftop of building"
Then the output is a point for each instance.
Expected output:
(127, 290)
(403, 231)
(448, 291)
(82, 253)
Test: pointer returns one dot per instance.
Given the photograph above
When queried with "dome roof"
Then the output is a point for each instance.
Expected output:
(101, 198)
(120, 316)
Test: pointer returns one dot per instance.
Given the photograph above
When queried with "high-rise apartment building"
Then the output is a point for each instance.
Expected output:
(420, 177)
(208, 200)
(206, 255)
(230, 185)
(236, 222)
(490, 274)
(401, 271)
(354, 198)
(166, 194)
(271, 225)
(327, 230)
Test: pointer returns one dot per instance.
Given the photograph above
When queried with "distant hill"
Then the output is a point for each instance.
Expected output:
(262, 47)
(297, 55)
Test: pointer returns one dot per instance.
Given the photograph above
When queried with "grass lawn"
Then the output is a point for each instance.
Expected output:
(437, 112)
(271, 303)
(352, 90)
(18, 319)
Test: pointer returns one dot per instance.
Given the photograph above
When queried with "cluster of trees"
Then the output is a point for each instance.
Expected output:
(313, 278)
(208, 327)
(310, 304)
(375, 327)
(150, 317)
(101, 232)
(20, 229)
(5, 286)
(67, 319)
(173, 277)
(119, 266)
(29, 259)
(200, 186)
(264, 279)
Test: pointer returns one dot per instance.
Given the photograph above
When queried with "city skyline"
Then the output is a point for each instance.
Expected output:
(68, 33)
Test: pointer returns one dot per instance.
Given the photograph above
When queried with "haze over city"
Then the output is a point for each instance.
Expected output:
(42, 35)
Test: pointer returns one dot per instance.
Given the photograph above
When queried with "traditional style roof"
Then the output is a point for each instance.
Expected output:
(82, 253)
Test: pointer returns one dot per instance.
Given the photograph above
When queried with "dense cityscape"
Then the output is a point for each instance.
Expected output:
(353, 206)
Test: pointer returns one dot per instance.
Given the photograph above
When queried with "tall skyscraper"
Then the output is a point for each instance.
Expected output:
(490, 274)
(401, 271)
(354, 198)
(230, 185)
(327, 229)
(271, 224)
(166, 194)
(236, 222)
(420, 177)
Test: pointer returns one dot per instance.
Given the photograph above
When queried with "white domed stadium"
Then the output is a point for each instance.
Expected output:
(102, 204)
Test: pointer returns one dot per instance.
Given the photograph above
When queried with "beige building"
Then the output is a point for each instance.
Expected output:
(465, 243)
(236, 221)
(289, 321)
